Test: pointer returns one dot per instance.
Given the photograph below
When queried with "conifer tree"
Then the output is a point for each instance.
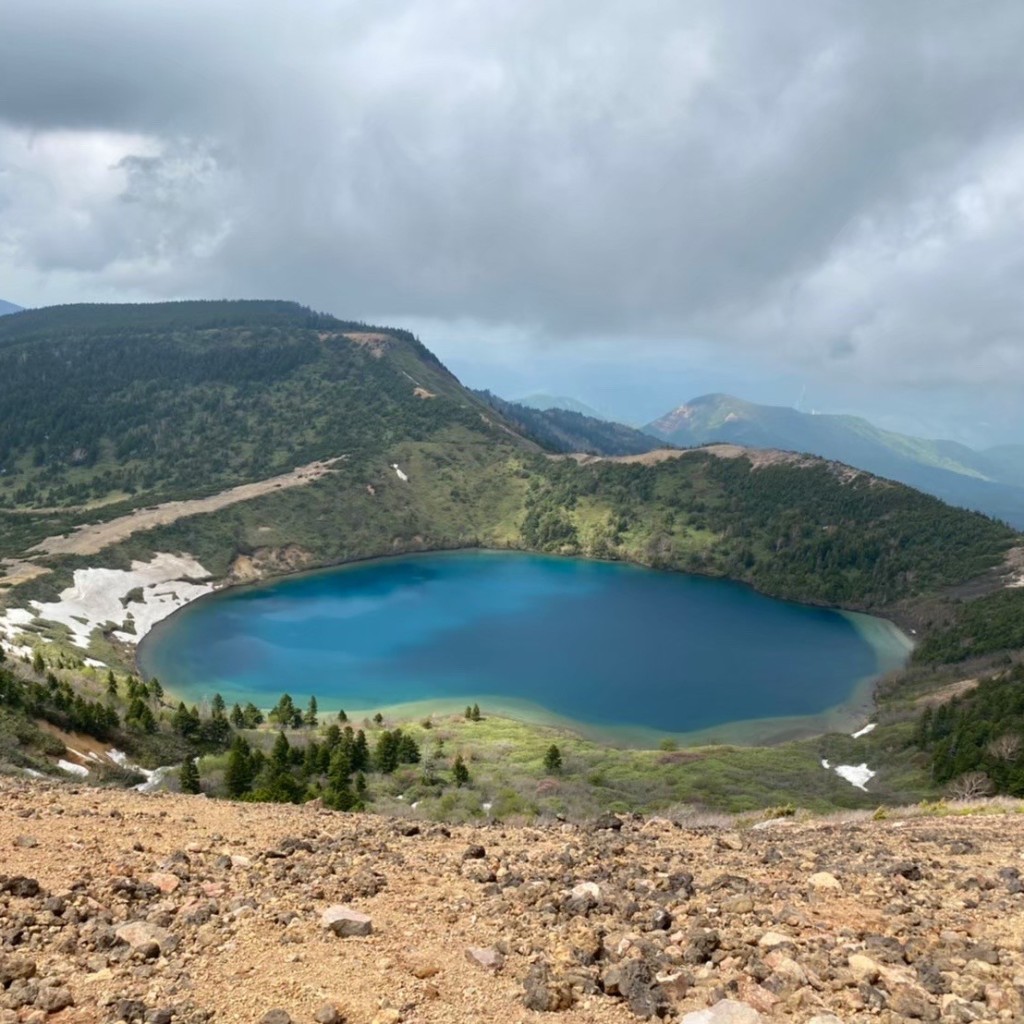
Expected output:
(238, 775)
(189, 777)
(460, 773)
(553, 760)
(310, 717)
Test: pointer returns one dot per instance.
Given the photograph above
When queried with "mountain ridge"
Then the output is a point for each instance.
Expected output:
(949, 470)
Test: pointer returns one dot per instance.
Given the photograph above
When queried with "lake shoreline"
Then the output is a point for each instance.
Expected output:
(850, 714)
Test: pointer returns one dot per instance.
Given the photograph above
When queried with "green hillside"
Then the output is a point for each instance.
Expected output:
(992, 482)
(565, 430)
(106, 409)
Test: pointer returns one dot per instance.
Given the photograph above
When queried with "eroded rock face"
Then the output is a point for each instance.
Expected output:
(160, 910)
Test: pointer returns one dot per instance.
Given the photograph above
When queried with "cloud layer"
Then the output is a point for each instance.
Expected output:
(839, 186)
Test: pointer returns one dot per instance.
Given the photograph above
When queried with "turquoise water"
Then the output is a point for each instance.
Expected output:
(607, 645)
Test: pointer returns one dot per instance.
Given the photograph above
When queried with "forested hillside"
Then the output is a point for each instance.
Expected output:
(567, 430)
(178, 399)
(794, 530)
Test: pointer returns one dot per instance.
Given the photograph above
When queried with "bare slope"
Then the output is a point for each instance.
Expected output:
(867, 920)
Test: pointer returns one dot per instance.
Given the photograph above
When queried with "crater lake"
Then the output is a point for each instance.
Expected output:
(628, 653)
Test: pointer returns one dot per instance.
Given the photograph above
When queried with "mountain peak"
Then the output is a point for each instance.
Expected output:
(8, 307)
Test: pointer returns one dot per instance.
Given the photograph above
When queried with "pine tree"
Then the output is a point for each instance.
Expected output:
(310, 717)
(239, 773)
(237, 717)
(475, 713)
(360, 753)
(460, 773)
(408, 749)
(189, 777)
(155, 689)
(385, 755)
(553, 760)
(111, 684)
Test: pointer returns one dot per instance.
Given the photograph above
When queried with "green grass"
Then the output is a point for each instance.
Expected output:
(505, 758)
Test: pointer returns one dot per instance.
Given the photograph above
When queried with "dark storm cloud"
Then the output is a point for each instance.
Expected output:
(840, 184)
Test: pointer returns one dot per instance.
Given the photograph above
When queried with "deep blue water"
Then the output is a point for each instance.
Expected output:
(600, 643)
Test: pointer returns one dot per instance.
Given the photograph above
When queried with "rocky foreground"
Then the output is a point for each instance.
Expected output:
(122, 907)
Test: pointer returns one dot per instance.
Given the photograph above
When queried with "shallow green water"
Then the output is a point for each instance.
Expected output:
(610, 646)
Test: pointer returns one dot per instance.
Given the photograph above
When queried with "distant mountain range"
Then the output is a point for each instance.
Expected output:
(990, 481)
(545, 402)
(8, 307)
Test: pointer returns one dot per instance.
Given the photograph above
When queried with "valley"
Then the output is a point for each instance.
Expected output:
(103, 512)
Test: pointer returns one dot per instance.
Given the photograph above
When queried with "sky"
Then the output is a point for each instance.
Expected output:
(632, 204)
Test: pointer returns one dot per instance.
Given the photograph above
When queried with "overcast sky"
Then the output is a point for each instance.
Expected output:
(629, 203)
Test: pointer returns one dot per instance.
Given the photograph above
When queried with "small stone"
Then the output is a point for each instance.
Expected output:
(474, 852)
(825, 1018)
(19, 885)
(276, 1016)
(908, 870)
(488, 958)
(863, 968)
(912, 1002)
(823, 881)
(608, 823)
(738, 905)
(53, 1000)
(542, 993)
(634, 981)
(389, 1015)
(346, 923)
(26, 842)
(729, 841)
(327, 1014)
(142, 933)
(16, 968)
(584, 889)
(424, 971)
(726, 1011)
(164, 881)
(772, 939)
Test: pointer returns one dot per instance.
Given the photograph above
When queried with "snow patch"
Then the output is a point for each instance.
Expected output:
(863, 732)
(153, 776)
(857, 775)
(95, 598)
(93, 663)
(401, 476)
(12, 623)
(73, 769)
(32, 773)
